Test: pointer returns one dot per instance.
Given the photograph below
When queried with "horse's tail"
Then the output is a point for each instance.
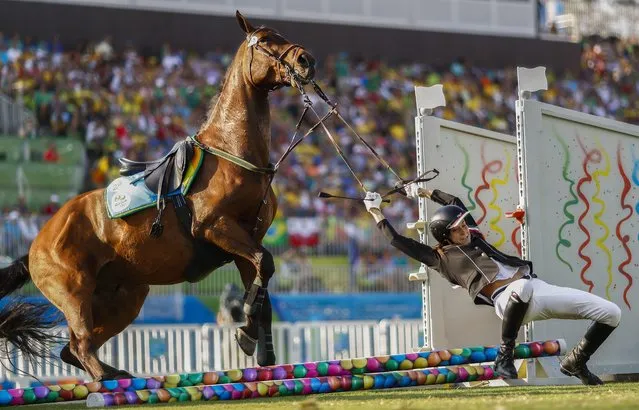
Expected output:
(24, 325)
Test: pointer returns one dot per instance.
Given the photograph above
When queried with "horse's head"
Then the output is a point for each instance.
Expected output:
(271, 61)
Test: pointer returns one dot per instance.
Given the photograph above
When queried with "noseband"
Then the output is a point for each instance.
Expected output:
(285, 72)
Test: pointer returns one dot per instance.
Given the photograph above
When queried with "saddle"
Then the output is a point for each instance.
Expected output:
(163, 176)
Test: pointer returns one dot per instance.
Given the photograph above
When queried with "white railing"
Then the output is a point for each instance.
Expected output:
(153, 350)
(13, 117)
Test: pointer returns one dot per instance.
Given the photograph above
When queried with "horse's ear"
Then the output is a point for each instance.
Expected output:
(244, 23)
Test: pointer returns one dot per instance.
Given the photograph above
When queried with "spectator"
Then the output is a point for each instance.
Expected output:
(51, 154)
(53, 205)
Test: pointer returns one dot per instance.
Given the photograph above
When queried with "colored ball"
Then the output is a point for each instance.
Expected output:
(109, 385)
(480, 372)
(451, 377)
(224, 379)
(391, 365)
(489, 374)
(315, 385)
(249, 374)
(124, 383)
(347, 383)
(262, 389)
(456, 359)
(477, 357)
(412, 356)
(434, 359)
(80, 391)
(358, 370)
(357, 383)
(405, 381)
(405, 365)
(137, 384)
(208, 379)
(322, 368)
(66, 395)
(421, 378)
(444, 355)
(334, 370)
(536, 349)
(522, 351)
(472, 373)
(382, 359)
(441, 378)
(96, 386)
(491, 354)
(372, 364)
(466, 352)
(346, 364)
(143, 395)
(369, 382)
(53, 396)
(359, 363)
(29, 396)
(462, 373)
(196, 378)
(456, 351)
(153, 399)
(431, 379)
(379, 381)
(119, 399)
(265, 374)
(390, 381)
(131, 397)
(420, 363)
(334, 382)
(172, 379)
(279, 373)
(299, 372)
(39, 391)
(551, 347)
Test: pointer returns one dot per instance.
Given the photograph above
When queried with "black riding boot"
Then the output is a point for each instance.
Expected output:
(513, 318)
(574, 363)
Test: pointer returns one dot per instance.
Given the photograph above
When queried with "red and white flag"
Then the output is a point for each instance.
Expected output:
(303, 231)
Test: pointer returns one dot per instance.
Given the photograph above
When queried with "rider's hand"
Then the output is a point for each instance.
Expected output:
(372, 201)
(412, 191)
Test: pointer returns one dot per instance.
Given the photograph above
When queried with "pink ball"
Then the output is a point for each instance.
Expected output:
(236, 395)
(372, 364)
(412, 356)
(312, 373)
(334, 370)
(462, 374)
(488, 373)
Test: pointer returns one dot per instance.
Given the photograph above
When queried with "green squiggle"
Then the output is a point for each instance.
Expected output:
(601, 241)
(570, 218)
(465, 174)
(492, 205)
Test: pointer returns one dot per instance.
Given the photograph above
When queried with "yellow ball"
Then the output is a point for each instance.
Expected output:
(172, 379)
(143, 395)
(406, 365)
(420, 363)
(234, 375)
(262, 389)
(80, 392)
(359, 363)
(456, 351)
(431, 379)
(346, 364)
(369, 381)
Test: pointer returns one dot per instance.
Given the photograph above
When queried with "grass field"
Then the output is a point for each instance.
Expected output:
(609, 396)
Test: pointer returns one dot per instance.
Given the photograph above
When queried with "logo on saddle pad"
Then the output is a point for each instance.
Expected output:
(120, 202)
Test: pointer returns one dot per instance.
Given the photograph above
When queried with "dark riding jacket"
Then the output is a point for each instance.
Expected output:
(469, 266)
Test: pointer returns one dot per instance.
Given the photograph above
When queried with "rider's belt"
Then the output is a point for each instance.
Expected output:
(500, 289)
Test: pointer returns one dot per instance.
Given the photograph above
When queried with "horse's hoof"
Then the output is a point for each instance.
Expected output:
(120, 374)
(265, 358)
(246, 342)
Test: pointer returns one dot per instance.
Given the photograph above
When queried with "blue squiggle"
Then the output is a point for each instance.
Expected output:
(635, 178)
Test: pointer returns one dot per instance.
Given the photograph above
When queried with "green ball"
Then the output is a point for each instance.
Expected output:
(196, 378)
(283, 390)
(299, 386)
(299, 371)
(358, 370)
(174, 392)
(153, 398)
(522, 352)
(185, 383)
(357, 383)
(392, 365)
(52, 396)
(466, 352)
(322, 369)
(224, 380)
(451, 377)
(29, 396)
(184, 397)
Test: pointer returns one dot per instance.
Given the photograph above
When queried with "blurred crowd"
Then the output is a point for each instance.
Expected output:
(122, 103)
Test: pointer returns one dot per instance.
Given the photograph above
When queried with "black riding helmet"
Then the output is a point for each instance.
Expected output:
(443, 220)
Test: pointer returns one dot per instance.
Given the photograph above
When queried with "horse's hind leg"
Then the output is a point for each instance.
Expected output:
(113, 310)
(265, 351)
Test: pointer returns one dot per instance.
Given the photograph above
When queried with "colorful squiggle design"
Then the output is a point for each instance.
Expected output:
(625, 238)
(493, 167)
(635, 179)
(595, 157)
(513, 239)
(601, 241)
(465, 175)
(570, 218)
(492, 205)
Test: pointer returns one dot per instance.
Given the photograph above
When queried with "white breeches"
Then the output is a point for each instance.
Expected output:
(556, 302)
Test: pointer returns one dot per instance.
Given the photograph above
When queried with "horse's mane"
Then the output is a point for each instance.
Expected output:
(209, 113)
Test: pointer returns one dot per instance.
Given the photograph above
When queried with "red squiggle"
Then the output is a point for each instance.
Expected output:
(513, 239)
(625, 238)
(590, 156)
(493, 167)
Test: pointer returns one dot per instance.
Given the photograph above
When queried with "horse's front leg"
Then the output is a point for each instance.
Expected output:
(256, 267)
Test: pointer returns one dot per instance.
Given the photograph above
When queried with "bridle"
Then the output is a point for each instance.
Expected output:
(285, 72)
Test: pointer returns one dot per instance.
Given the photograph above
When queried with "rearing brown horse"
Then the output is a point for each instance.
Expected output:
(97, 270)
